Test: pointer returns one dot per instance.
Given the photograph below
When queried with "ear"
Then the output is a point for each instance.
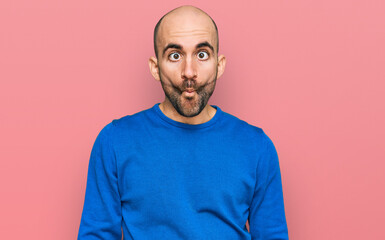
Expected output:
(221, 65)
(154, 69)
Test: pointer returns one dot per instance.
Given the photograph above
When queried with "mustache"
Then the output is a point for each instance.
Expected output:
(190, 84)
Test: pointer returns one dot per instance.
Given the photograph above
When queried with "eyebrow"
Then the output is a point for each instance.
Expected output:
(177, 46)
(205, 44)
(172, 45)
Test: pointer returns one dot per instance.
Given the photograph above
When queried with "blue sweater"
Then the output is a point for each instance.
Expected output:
(159, 179)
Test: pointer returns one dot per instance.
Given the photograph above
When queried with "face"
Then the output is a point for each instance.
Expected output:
(188, 64)
(188, 78)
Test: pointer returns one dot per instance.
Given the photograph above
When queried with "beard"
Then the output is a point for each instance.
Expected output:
(189, 106)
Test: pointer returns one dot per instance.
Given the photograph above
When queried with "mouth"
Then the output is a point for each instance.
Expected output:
(188, 93)
(189, 90)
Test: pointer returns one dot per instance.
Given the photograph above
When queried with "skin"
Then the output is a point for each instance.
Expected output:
(187, 72)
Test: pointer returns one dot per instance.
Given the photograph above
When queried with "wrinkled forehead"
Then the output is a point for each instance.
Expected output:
(189, 29)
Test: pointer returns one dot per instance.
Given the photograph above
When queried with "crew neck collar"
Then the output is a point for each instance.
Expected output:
(168, 120)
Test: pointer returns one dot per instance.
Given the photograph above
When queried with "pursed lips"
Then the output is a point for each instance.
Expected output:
(189, 90)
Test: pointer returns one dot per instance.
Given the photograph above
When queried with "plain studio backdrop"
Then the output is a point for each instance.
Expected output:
(310, 73)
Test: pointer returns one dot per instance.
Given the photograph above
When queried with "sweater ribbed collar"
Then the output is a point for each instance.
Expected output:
(155, 109)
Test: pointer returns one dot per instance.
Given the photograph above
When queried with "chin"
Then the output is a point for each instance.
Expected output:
(190, 108)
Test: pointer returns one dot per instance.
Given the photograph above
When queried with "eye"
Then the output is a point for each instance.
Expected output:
(203, 55)
(174, 56)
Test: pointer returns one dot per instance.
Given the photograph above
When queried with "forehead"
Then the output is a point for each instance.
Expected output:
(186, 30)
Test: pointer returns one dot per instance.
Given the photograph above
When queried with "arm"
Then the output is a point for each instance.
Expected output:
(267, 214)
(101, 216)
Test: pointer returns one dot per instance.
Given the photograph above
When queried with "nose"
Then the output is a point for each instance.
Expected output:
(189, 70)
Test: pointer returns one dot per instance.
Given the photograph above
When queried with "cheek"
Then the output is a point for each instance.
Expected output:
(170, 72)
(207, 71)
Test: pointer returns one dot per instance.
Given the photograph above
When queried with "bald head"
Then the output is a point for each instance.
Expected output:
(178, 18)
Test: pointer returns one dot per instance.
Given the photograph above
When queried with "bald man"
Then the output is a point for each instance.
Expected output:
(184, 169)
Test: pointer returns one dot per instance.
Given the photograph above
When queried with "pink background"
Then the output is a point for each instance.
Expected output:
(310, 73)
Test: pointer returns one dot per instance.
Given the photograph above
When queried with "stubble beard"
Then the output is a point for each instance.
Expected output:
(192, 106)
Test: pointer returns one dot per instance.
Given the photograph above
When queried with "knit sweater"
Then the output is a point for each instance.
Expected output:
(152, 177)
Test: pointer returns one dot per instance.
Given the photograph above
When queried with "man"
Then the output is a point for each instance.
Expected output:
(183, 169)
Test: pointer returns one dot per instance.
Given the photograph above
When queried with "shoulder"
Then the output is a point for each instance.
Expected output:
(256, 134)
(258, 142)
(133, 120)
(242, 126)
(123, 125)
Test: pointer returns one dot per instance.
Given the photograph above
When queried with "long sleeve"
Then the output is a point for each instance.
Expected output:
(101, 216)
(267, 214)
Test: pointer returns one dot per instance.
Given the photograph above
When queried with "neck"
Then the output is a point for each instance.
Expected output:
(204, 116)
